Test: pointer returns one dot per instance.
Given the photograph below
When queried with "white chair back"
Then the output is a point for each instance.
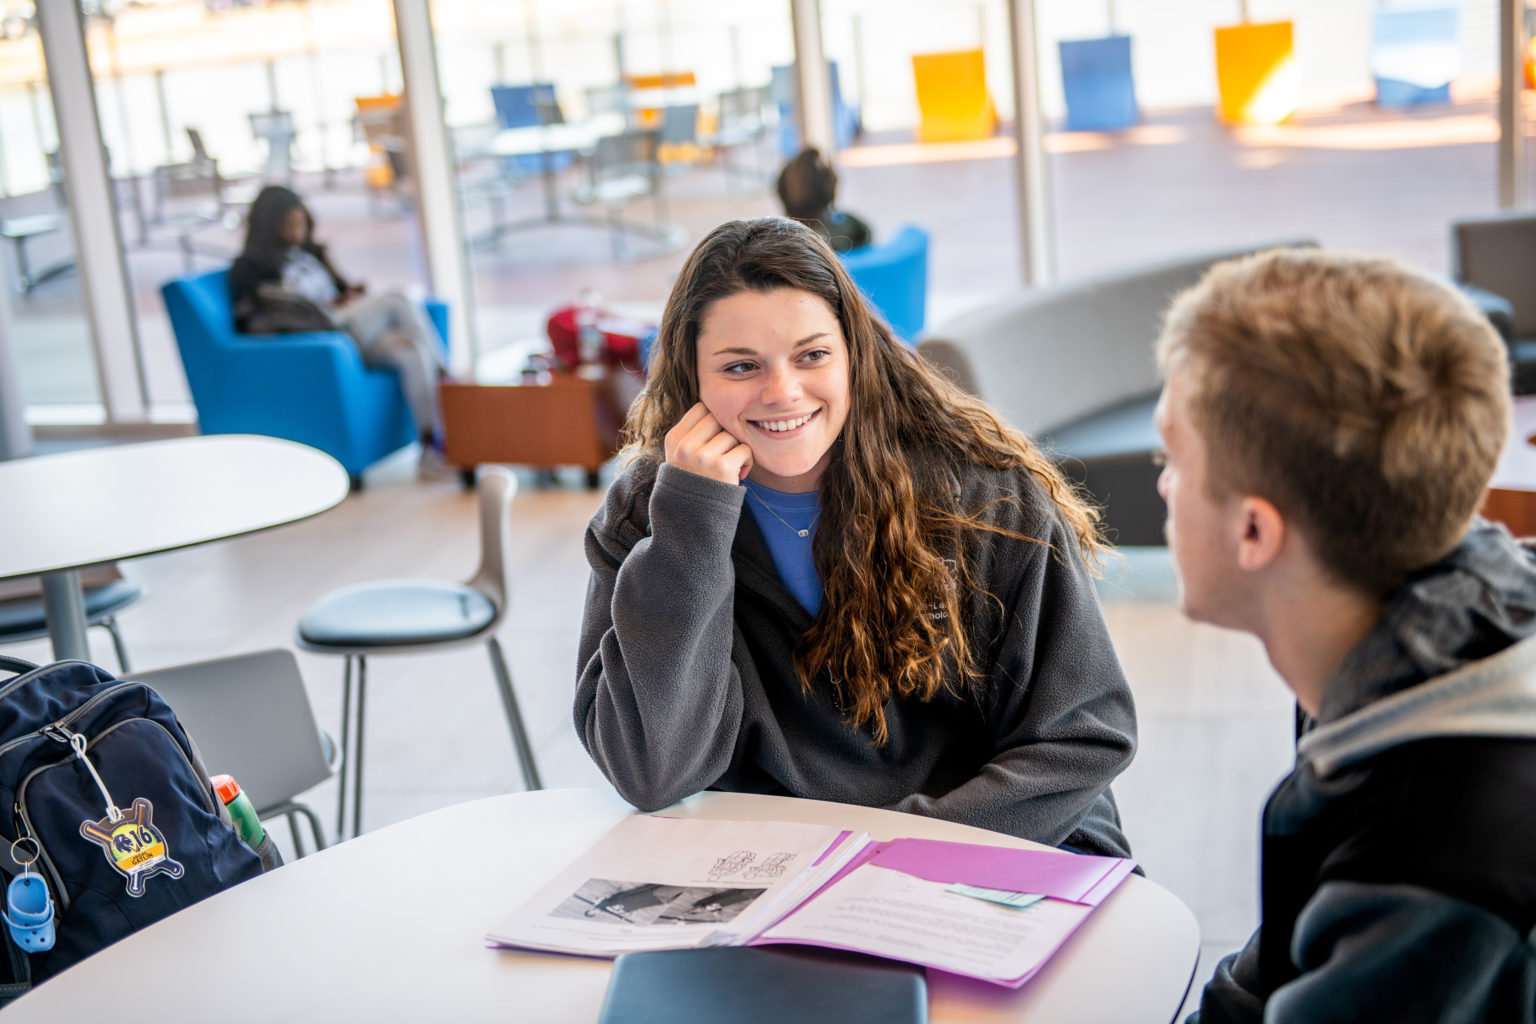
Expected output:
(496, 490)
(250, 717)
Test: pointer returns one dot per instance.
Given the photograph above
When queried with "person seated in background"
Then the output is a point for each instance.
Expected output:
(808, 190)
(828, 573)
(283, 281)
(1331, 423)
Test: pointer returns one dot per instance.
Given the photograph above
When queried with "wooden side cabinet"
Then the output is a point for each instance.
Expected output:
(1511, 498)
(562, 419)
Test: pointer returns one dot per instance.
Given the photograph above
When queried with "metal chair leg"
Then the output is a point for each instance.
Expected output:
(346, 750)
(615, 234)
(314, 827)
(514, 717)
(292, 817)
(291, 811)
(110, 625)
(357, 765)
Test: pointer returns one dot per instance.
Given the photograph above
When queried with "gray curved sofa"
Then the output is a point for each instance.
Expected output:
(1072, 366)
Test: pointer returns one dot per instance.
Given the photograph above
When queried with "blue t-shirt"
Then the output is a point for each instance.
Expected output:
(781, 516)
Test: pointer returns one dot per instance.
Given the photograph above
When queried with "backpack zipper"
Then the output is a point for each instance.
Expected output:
(27, 677)
(76, 713)
(76, 742)
(42, 851)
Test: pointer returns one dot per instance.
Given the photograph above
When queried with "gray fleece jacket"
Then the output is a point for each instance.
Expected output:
(686, 678)
(1399, 857)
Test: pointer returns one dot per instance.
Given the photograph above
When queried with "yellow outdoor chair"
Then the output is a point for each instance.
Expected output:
(952, 95)
(1256, 72)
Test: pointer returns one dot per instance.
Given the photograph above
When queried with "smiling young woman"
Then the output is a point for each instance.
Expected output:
(905, 615)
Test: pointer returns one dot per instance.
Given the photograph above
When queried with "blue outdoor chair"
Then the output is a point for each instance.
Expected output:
(847, 122)
(893, 275)
(522, 106)
(1415, 54)
(312, 387)
(1097, 82)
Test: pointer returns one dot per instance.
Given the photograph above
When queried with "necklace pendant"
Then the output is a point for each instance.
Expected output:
(804, 533)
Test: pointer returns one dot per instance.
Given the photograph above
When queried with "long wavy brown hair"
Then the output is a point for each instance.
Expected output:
(891, 621)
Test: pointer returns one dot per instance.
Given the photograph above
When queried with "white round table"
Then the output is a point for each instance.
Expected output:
(64, 512)
(390, 927)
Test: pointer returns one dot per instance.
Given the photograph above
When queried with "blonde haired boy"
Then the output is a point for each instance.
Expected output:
(1331, 423)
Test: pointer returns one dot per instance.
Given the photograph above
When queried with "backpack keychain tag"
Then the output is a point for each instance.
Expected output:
(130, 841)
(28, 904)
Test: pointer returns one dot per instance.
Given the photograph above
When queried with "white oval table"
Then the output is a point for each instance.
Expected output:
(62, 513)
(390, 927)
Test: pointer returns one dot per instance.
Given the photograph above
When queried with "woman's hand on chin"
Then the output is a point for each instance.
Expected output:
(700, 445)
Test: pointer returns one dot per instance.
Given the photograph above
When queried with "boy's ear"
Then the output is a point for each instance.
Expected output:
(1262, 533)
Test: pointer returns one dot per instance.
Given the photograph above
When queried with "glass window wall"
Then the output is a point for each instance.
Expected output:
(201, 104)
(924, 97)
(595, 142)
(50, 336)
(1347, 166)
(202, 101)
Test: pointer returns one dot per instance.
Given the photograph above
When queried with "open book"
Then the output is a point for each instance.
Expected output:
(989, 912)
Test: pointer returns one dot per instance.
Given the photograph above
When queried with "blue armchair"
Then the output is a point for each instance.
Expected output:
(894, 277)
(312, 388)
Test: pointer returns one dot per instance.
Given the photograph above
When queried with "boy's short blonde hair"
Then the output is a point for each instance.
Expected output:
(1367, 401)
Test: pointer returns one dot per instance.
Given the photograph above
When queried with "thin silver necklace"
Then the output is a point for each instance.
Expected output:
(803, 533)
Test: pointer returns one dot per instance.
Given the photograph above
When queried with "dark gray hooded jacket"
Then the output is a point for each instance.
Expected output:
(1399, 857)
(686, 677)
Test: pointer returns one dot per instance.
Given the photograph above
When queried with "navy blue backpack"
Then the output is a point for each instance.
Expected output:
(125, 826)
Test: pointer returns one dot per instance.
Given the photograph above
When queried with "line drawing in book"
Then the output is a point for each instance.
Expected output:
(733, 866)
(653, 904)
(773, 866)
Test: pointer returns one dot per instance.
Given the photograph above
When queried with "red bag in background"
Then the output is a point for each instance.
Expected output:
(621, 339)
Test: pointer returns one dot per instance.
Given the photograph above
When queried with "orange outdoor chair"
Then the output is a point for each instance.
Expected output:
(379, 124)
(650, 117)
(664, 80)
(952, 95)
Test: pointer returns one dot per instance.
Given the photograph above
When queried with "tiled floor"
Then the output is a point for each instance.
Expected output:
(1214, 719)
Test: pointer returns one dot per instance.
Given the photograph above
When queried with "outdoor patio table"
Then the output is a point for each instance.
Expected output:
(548, 139)
(390, 927)
(65, 512)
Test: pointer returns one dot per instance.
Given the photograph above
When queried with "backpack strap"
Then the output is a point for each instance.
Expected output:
(20, 666)
(15, 969)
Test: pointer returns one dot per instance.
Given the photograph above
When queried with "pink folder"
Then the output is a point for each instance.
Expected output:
(1074, 877)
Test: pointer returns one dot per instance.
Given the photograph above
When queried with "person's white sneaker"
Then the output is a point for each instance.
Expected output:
(433, 466)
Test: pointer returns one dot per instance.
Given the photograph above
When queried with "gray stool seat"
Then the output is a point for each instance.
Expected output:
(22, 618)
(396, 613)
(25, 614)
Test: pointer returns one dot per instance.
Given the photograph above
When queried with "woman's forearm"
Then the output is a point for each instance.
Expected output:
(658, 697)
